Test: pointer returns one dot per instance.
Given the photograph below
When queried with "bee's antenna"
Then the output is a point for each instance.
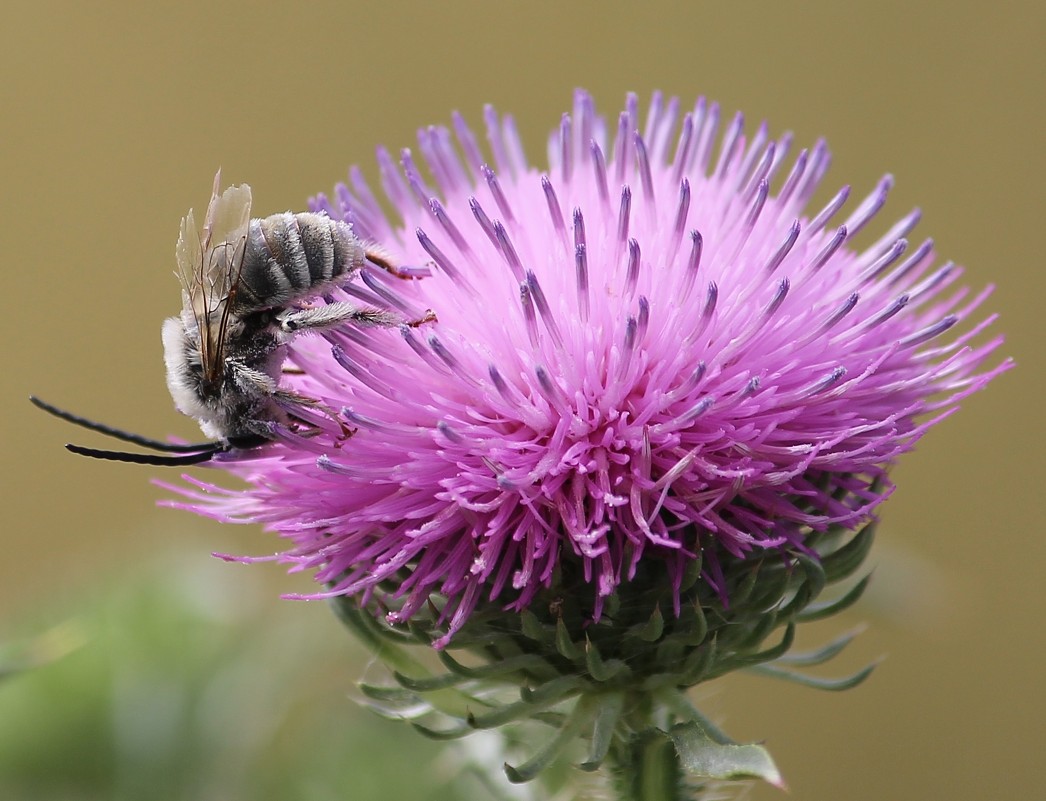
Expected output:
(150, 458)
(125, 436)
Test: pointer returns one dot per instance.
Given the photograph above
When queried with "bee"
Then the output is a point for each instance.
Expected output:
(249, 286)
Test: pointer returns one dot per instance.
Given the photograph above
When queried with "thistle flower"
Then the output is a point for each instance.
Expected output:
(643, 354)
(650, 365)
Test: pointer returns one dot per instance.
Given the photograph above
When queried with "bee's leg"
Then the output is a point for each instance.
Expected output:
(257, 384)
(252, 383)
(379, 257)
(330, 315)
(296, 403)
(428, 317)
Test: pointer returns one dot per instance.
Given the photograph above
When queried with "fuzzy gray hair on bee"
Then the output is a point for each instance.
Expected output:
(248, 287)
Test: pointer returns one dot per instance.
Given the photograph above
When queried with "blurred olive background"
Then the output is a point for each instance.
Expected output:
(115, 118)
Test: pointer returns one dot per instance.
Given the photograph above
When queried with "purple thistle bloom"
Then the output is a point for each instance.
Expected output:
(653, 351)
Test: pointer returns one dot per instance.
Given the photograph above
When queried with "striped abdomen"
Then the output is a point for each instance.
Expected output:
(289, 257)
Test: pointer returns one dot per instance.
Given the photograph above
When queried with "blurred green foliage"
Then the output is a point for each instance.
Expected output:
(187, 685)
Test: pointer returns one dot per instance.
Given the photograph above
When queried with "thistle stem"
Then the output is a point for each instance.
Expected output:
(648, 769)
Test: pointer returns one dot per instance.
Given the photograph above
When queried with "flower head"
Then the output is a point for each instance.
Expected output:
(653, 353)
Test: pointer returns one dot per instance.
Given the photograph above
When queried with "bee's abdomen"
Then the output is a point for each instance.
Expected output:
(293, 256)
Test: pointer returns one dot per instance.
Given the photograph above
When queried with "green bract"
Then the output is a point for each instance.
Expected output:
(620, 683)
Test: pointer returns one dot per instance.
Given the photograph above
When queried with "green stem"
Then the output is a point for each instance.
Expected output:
(649, 769)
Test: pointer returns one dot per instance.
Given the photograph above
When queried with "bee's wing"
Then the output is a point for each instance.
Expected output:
(224, 237)
(209, 262)
(209, 259)
(189, 256)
